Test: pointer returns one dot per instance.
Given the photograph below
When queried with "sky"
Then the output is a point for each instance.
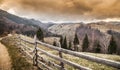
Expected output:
(64, 10)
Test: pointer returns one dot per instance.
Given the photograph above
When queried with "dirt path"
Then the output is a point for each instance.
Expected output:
(5, 63)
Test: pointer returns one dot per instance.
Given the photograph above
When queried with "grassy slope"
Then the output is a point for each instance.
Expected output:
(83, 62)
(18, 61)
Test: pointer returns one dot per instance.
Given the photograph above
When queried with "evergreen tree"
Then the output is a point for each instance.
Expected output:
(97, 47)
(85, 44)
(54, 43)
(112, 48)
(76, 40)
(40, 34)
(70, 45)
(65, 43)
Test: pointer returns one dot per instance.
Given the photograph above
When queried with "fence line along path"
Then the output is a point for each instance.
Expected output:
(38, 59)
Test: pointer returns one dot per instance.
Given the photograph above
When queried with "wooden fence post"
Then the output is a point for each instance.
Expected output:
(35, 57)
(60, 55)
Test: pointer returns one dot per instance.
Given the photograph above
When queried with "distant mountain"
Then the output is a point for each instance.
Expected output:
(105, 26)
(10, 22)
(40, 24)
(69, 29)
(65, 29)
(96, 32)
(20, 20)
(7, 26)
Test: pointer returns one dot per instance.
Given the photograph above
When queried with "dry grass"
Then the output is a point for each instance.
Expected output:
(50, 40)
(106, 56)
(83, 62)
(19, 62)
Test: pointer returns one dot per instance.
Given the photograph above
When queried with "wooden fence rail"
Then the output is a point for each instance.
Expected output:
(77, 54)
(85, 56)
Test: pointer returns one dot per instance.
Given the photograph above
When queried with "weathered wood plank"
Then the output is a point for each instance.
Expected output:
(49, 62)
(64, 60)
(84, 56)
(49, 68)
(81, 55)
(61, 56)
(31, 49)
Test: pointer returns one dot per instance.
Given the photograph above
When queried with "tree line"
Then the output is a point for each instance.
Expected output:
(112, 48)
(75, 45)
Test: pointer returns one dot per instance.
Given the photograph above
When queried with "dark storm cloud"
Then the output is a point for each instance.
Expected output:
(57, 6)
(86, 8)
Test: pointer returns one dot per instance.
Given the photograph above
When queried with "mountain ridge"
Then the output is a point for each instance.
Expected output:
(10, 22)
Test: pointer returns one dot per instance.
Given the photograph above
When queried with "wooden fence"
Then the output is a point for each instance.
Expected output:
(33, 53)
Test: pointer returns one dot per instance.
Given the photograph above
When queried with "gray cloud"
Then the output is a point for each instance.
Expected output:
(98, 9)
